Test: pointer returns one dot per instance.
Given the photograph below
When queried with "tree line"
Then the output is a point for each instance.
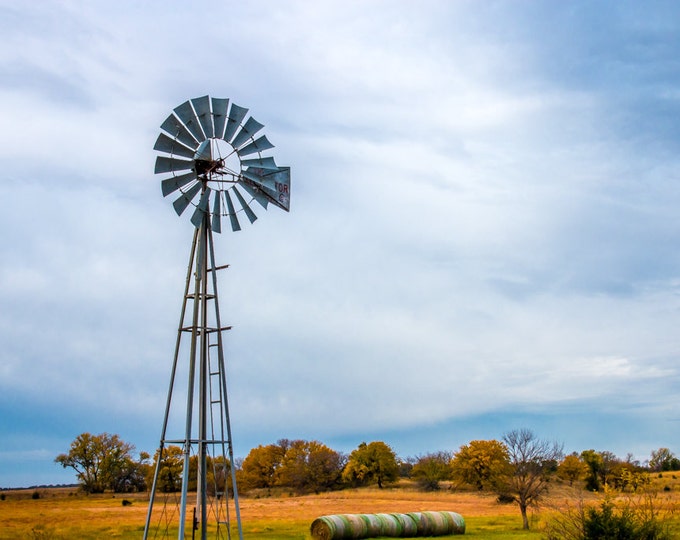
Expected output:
(517, 468)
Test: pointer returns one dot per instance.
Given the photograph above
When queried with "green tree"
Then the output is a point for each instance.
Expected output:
(602, 468)
(664, 460)
(129, 476)
(103, 462)
(594, 462)
(609, 468)
(373, 462)
(431, 469)
(532, 461)
(480, 463)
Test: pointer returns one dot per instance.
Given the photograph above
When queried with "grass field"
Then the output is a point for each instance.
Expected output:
(63, 513)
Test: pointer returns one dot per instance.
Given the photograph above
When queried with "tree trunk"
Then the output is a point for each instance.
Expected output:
(525, 520)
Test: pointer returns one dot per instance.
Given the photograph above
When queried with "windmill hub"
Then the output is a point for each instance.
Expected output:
(205, 168)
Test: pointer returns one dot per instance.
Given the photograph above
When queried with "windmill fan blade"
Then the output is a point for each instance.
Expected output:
(175, 128)
(202, 108)
(191, 158)
(235, 226)
(204, 151)
(262, 163)
(256, 194)
(219, 107)
(186, 114)
(171, 185)
(236, 114)
(201, 209)
(185, 199)
(251, 215)
(168, 164)
(250, 128)
(258, 145)
(172, 146)
(274, 185)
(216, 224)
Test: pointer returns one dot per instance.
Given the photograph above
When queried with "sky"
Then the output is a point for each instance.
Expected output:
(483, 234)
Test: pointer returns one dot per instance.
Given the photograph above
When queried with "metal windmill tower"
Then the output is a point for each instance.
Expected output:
(216, 165)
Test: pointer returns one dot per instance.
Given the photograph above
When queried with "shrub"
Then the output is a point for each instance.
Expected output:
(35, 495)
(505, 498)
(638, 519)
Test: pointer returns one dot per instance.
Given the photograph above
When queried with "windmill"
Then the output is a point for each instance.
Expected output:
(212, 152)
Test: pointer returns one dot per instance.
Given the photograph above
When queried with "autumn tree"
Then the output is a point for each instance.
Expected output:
(309, 466)
(259, 468)
(572, 468)
(532, 460)
(304, 466)
(104, 462)
(431, 469)
(170, 471)
(480, 463)
(372, 462)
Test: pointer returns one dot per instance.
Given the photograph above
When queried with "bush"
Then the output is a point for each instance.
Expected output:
(35, 495)
(632, 520)
(505, 498)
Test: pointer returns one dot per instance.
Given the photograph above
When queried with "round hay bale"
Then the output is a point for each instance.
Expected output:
(325, 527)
(438, 523)
(457, 522)
(339, 527)
(373, 525)
(420, 522)
(390, 526)
(355, 526)
(409, 526)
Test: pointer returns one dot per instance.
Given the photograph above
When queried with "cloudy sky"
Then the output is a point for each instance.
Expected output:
(484, 228)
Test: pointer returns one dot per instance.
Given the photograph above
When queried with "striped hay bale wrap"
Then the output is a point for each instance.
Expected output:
(409, 528)
(373, 525)
(390, 526)
(438, 523)
(339, 526)
(350, 526)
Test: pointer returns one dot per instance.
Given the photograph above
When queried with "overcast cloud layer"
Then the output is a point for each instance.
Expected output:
(483, 231)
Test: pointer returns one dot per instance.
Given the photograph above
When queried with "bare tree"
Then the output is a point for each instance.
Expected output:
(532, 460)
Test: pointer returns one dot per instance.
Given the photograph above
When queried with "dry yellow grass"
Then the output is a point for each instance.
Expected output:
(65, 513)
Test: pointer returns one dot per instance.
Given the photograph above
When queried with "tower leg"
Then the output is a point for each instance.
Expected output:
(206, 443)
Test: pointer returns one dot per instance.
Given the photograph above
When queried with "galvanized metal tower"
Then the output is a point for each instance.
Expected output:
(214, 160)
